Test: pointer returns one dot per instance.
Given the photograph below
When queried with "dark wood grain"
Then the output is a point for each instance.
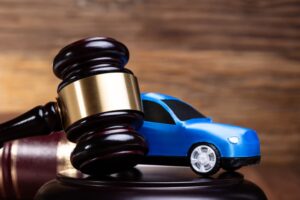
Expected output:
(41, 120)
(237, 61)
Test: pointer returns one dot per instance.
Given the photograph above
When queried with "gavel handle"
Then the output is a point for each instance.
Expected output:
(41, 120)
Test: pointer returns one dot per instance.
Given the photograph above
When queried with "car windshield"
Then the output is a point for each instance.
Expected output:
(183, 111)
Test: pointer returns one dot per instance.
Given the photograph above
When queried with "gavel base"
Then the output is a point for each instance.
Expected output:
(150, 183)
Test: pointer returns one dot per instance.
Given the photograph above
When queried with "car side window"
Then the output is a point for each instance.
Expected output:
(156, 113)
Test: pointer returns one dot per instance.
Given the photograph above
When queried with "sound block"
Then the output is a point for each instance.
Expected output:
(150, 183)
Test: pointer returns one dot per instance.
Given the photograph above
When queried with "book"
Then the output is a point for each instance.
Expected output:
(27, 164)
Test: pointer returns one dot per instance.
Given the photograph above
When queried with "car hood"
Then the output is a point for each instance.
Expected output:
(216, 128)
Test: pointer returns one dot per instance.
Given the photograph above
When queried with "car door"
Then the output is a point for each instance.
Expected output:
(160, 130)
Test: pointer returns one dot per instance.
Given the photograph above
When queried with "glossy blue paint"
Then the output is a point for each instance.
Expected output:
(177, 139)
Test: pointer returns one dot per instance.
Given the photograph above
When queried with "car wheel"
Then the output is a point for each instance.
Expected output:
(204, 159)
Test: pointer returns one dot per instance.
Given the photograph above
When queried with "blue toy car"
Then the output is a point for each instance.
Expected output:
(177, 134)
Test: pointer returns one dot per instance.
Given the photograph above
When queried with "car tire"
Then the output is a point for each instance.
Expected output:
(204, 159)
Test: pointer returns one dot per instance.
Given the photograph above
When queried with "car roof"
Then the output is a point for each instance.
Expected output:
(157, 96)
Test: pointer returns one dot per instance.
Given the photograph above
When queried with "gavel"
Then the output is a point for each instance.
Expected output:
(98, 106)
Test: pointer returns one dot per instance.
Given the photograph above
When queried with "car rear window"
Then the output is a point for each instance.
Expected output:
(183, 111)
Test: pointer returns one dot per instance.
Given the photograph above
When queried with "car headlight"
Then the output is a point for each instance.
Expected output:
(234, 140)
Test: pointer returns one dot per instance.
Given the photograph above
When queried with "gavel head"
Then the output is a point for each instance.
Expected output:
(100, 105)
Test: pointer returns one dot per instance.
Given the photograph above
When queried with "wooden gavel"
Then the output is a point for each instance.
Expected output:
(98, 106)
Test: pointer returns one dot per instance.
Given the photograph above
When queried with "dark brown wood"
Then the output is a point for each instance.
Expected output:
(106, 142)
(148, 182)
(41, 120)
(89, 57)
(108, 150)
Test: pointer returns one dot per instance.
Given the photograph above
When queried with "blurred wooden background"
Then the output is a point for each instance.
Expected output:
(237, 61)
